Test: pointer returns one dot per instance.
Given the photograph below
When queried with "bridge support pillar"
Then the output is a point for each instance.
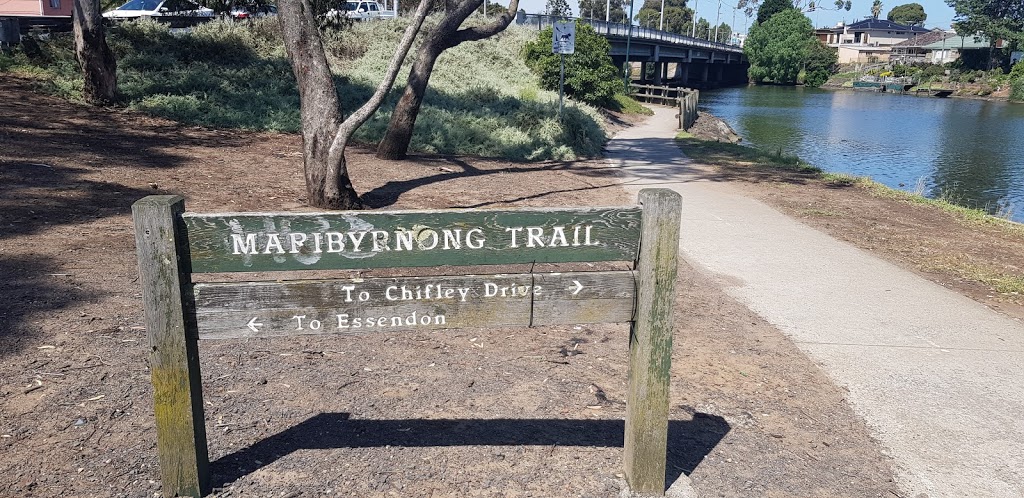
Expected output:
(683, 73)
(718, 72)
(659, 68)
(704, 72)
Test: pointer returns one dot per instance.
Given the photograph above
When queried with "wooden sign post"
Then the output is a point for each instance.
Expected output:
(173, 244)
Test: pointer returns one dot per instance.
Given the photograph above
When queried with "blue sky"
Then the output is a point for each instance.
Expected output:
(940, 15)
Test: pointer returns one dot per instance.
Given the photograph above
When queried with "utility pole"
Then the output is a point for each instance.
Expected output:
(694, 33)
(718, 16)
(607, 10)
(661, 23)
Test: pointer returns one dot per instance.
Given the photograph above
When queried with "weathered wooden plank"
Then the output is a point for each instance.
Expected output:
(344, 306)
(344, 240)
(174, 359)
(650, 344)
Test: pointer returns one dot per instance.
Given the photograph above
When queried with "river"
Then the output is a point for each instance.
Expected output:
(968, 151)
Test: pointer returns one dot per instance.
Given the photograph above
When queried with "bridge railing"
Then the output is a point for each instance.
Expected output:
(685, 98)
(623, 30)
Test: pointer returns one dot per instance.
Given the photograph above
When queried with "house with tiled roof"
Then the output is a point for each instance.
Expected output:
(913, 50)
(869, 40)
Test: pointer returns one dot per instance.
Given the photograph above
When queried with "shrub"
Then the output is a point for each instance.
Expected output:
(1017, 82)
(589, 74)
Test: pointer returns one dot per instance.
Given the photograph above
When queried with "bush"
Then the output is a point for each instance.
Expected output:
(590, 75)
(1017, 82)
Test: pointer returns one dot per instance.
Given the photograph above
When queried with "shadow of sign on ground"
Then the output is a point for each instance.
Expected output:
(689, 441)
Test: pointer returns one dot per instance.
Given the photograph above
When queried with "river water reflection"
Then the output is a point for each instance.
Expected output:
(970, 151)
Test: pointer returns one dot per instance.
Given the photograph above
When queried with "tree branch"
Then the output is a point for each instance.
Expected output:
(354, 121)
(480, 32)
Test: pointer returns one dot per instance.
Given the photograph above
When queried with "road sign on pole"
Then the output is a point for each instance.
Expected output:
(563, 38)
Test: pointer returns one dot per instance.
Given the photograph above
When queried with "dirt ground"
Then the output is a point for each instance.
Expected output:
(497, 412)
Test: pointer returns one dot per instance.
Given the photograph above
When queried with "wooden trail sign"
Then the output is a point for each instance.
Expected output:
(172, 245)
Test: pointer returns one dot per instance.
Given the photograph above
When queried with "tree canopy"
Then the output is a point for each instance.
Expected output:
(703, 29)
(596, 9)
(557, 8)
(997, 19)
(769, 8)
(778, 48)
(678, 18)
(909, 13)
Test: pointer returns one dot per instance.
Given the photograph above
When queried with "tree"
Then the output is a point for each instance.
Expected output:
(590, 75)
(911, 14)
(820, 64)
(324, 134)
(703, 29)
(596, 9)
(723, 33)
(996, 19)
(558, 8)
(778, 48)
(677, 18)
(447, 34)
(876, 8)
(94, 56)
(749, 7)
(769, 8)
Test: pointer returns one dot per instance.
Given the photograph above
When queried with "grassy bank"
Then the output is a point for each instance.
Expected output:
(482, 100)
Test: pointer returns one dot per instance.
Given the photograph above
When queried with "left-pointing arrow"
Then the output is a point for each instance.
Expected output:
(254, 325)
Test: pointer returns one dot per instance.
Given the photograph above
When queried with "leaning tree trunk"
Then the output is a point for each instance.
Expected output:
(324, 134)
(94, 56)
(395, 144)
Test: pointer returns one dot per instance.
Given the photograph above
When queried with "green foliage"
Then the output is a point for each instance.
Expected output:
(723, 33)
(876, 8)
(589, 74)
(597, 9)
(236, 75)
(1017, 82)
(703, 29)
(778, 49)
(557, 8)
(769, 8)
(678, 18)
(909, 13)
(821, 63)
(996, 19)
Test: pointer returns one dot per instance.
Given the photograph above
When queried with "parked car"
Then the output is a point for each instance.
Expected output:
(242, 12)
(362, 10)
(157, 8)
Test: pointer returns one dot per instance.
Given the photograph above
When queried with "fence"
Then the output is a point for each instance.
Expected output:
(685, 98)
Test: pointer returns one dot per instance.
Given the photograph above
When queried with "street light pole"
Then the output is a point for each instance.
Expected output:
(661, 23)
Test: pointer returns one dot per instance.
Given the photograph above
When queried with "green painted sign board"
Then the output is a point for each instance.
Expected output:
(173, 244)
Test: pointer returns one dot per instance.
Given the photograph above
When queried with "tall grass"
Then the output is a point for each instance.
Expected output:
(482, 99)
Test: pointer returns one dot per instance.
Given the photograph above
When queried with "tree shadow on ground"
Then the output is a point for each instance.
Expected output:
(30, 285)
(689, 441)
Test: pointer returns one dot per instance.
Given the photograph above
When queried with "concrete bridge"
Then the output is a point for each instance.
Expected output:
(664, 58)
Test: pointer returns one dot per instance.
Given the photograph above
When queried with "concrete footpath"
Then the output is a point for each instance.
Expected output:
(938, 377)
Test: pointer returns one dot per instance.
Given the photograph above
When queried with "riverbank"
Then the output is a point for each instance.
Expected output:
(979, 255)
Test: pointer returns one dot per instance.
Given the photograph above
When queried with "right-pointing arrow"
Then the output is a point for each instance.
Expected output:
(578, 288)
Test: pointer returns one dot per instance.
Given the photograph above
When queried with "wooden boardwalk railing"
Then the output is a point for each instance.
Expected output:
(685, 98)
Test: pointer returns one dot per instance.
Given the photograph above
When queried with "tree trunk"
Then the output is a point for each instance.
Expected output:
(327, 181)
(395, 144)
(94, 56)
